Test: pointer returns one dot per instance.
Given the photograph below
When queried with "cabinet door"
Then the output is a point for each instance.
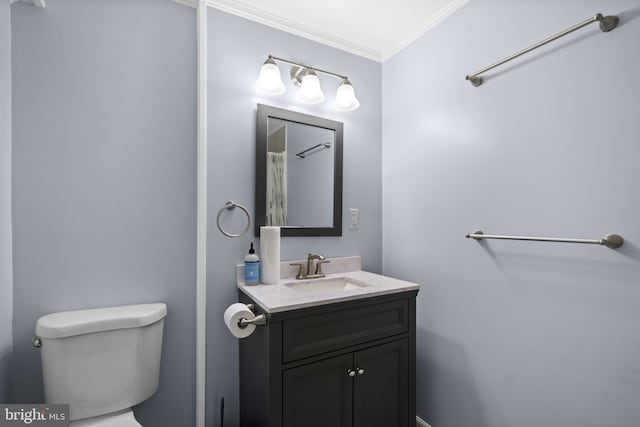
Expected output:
(381, 390)
(319, 394)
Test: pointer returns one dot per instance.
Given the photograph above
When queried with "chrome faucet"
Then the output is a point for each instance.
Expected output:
(310, 259)
(302, 274)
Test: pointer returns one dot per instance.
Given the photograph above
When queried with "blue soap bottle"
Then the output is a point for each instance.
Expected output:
(251, 267)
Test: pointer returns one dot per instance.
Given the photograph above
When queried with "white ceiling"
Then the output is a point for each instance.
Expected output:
(375, 29)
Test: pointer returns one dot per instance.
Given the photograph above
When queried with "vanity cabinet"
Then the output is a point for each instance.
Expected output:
(339, 392)
(346, 364)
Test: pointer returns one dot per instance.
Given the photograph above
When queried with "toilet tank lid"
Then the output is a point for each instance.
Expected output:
(78, 322)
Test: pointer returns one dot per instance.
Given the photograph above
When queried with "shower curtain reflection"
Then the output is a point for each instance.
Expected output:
(276, 213)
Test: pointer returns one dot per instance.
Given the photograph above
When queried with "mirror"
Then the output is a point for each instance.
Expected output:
(298, 173)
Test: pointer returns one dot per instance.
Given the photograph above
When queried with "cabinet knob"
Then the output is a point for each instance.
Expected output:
(351, 373)
(360, 371)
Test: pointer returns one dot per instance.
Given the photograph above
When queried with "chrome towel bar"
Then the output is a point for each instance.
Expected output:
(607, 23)
(613, 241)
(305, 153)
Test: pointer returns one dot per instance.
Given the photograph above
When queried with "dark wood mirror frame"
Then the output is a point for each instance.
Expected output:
(263, 114)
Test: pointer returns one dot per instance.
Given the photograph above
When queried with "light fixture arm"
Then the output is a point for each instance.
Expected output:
(275, 58)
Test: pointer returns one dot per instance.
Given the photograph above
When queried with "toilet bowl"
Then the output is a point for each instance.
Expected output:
(102, 362)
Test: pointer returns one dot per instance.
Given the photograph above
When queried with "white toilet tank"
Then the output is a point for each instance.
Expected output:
(102, 360)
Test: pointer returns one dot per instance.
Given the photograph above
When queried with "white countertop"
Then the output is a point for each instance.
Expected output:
(279, 297)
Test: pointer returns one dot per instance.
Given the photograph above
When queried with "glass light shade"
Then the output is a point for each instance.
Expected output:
(270, 82)
(346, 97)
(310, 91)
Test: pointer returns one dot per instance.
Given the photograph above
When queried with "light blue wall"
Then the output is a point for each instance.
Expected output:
(518, 333)
(6, 276)
(309, 187)
(236, 50)
(104, 177)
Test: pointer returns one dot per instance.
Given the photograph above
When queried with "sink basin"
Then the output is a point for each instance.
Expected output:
(335, 284)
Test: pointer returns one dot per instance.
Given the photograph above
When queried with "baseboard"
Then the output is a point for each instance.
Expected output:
(421, 423)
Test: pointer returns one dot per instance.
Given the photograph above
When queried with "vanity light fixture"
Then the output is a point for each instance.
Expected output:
(306, 78)
(346, 97)
(270, 82)
(310, 91)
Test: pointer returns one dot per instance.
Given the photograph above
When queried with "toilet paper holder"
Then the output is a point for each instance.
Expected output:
(259, 320)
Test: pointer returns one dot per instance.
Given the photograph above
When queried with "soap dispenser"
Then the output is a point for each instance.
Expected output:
(251, 267)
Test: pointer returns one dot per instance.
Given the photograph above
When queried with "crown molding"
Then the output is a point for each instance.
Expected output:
(287, 25)
(427, 25)
(275, 21)
(280, 23)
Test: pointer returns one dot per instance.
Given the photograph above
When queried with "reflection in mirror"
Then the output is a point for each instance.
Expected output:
(306, 154)
(299, 173)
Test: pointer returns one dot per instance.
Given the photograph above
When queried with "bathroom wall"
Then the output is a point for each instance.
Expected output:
(6, 276)
(310, 200)
(518, 333)
(104, 177)
(236, 50)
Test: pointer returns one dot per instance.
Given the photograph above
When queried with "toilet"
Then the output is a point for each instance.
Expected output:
(102, 362)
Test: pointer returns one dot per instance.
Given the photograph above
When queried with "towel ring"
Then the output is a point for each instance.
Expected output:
(230, 205)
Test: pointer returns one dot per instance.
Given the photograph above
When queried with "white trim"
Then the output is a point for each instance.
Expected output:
(280, 23)
(421, 423)
(254, 14)
(201, 218)
(426, 26)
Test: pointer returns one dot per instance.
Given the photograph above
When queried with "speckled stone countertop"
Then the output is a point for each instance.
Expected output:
(280, 297)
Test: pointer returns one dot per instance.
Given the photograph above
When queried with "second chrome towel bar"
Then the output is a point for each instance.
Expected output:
(613, 241)
(607, 23)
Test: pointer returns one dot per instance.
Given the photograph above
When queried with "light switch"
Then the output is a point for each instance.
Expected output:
(354, 218)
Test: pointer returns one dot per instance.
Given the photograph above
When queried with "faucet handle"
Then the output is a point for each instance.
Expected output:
(319, 266)
(301, 274)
